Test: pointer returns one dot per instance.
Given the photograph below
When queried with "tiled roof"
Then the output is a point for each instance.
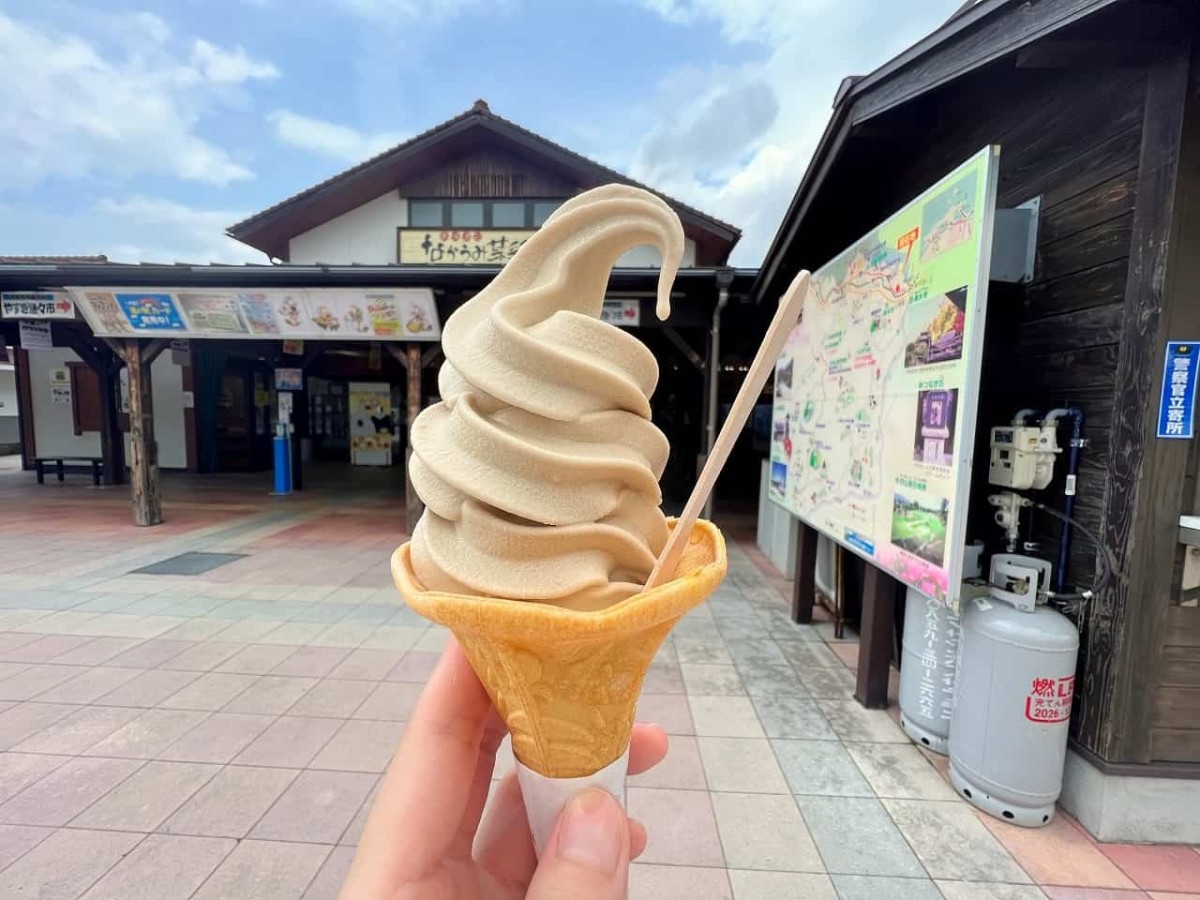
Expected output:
(479, 110)
(50, 260)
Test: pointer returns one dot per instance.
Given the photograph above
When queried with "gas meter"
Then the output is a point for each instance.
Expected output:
(1022, 456)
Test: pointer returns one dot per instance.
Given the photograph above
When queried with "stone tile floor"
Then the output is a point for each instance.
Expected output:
(221, 735)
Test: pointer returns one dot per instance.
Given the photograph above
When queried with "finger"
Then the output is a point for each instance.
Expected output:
(485, 766)
(587, 857)
(637, 838)
(430, 780)
(647, 747)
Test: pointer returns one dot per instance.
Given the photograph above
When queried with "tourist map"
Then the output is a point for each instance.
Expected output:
(875, 391)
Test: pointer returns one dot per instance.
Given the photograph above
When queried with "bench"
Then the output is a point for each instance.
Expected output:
(60, 462)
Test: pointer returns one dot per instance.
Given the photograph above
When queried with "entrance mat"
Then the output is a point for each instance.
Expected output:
(189, 564)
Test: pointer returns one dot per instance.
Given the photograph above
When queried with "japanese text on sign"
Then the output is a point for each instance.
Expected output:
(457, 247)
(1049, 699)
(36, 305)
(1177, 404)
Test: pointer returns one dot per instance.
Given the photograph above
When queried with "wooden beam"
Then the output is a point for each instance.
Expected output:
(147, 501)
(683, 347)
(152, 350)
(412, 502)
(1094, 54)
(106, 365)
(399, 353)
(1142, 497)
(429, 357)
(804, 588)
(876, 638)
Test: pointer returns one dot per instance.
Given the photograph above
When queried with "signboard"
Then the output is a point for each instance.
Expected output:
(625, 313)
(292, 315)
(459, 247)
(876, 389)
(36, 305)
(36, 336)
(1177, 405)
(289, 379)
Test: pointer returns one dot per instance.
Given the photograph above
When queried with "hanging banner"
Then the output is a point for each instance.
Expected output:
(296, 315)
(36, 305)
(36, 336)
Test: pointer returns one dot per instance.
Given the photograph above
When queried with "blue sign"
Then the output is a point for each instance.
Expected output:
(151, 312)
(1176, 408)
(854, 539)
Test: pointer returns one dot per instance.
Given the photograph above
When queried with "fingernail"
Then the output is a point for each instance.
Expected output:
(591, 833)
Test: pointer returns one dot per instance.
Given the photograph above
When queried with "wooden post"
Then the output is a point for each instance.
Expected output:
(876, 638)
(147, 501)
(413, 364)
(804, 589)
(112, 439)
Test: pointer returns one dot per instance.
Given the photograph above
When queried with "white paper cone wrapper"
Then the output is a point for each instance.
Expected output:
(545, 797)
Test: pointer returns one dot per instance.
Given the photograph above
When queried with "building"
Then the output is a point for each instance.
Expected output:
(177, 366)
(1094, 107)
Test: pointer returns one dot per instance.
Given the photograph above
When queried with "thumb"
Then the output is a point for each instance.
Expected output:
(587, 857)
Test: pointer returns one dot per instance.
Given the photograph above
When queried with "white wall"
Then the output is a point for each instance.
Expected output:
(8, 392)
(54, 426)
(367, 235)
(364, 235)
(647, 257)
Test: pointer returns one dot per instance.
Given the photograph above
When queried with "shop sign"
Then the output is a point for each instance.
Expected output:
(459, 247)
(625, 313)
(36, 336)
(36, 305)
(290, 315)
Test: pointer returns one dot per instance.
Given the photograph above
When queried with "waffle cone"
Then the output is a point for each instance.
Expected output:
(567, 682)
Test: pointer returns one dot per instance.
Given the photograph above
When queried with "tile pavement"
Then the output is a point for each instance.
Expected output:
(223, 735)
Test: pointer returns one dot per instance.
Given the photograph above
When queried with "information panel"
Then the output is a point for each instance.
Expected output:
(876, 391)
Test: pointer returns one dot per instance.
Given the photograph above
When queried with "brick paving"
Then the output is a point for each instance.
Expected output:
(221, 735)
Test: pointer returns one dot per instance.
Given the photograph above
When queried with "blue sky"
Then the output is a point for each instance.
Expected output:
(142, 131)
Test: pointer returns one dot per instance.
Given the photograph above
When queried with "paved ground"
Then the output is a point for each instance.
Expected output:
(220, 735)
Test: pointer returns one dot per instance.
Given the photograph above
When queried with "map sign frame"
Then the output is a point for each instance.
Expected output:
(877, 388)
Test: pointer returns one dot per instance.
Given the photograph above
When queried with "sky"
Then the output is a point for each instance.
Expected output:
(144, 131)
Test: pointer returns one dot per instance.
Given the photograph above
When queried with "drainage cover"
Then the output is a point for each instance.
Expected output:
(189, 564)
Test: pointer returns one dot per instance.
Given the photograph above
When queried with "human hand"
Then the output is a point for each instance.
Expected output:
(424, 840)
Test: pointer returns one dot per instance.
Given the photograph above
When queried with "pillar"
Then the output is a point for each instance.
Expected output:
(143, 465)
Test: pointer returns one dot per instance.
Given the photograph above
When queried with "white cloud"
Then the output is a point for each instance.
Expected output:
(393, 12)
(328, 138)
(124, 103)
(131, 229)
(229, 66)
(735, 142)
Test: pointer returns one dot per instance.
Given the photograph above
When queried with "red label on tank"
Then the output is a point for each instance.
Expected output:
(1049, 700)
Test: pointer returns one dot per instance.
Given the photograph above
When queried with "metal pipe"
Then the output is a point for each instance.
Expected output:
(1069, 489)
(724, 279)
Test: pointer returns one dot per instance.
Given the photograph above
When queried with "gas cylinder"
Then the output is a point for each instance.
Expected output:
(1008, 732)
(929, 662)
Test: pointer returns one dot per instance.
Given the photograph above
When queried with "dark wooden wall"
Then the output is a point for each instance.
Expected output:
(1089, 140)
(488, 173)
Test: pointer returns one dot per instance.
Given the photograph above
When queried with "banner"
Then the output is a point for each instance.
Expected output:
(407, 314)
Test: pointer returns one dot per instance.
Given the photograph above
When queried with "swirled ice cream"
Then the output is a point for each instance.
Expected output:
(539, 468)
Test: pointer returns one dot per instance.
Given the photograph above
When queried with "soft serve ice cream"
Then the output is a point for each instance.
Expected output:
(539, 468)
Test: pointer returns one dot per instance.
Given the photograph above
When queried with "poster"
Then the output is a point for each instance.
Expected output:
(293, 348)
(876, 389)
(371, 424)
(36, 305)
(60, 393)
(35, 336)
(150, 311)
(293, 315)
(213, 312)
(289, 380)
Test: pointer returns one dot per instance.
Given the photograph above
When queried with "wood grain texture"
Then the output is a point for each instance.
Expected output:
(147, 499)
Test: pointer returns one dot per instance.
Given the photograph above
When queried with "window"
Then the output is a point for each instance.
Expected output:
(426, 214)
(541, 211)
(466, 215)
(508, 215)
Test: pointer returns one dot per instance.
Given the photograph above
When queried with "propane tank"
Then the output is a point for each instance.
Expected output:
(929, 662)
(1016, 681)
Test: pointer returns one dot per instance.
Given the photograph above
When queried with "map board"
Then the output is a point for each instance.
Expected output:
(873, 427)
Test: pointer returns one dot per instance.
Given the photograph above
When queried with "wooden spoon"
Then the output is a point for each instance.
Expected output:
(790, 307)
